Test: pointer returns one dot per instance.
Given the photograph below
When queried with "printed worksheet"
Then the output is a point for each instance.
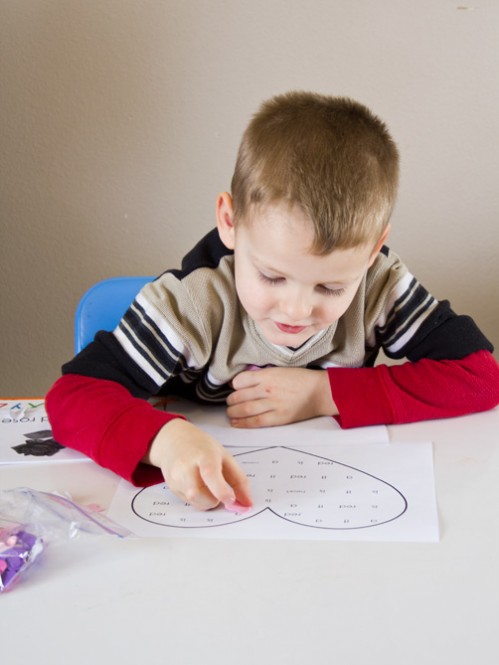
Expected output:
(306, 483)
(26, 435)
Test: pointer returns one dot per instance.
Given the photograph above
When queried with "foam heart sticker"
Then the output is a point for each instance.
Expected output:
(294, 485)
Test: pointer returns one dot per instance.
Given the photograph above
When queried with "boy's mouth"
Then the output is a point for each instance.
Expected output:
(290, 330)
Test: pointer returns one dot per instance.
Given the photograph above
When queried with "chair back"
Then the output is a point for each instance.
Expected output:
(103, 305)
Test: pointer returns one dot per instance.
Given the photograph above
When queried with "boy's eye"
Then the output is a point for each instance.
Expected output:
(330, 292)
(325, 290)
(270, 280)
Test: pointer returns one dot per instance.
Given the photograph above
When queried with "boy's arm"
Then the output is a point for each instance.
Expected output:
(451, 371)
(99, 405)
(143, 445)
(421, 390)
(356, 397)
(104, 421)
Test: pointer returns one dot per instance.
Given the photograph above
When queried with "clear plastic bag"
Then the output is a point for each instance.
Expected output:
(30, 520)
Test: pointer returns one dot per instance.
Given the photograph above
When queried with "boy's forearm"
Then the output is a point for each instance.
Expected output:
(102, 420)
(423, 390)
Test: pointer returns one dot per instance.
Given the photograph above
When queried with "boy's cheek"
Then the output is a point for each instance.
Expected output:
(340, 307)
(253, 301)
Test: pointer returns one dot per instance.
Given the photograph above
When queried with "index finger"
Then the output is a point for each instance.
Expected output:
(227, 482)
(238, 481)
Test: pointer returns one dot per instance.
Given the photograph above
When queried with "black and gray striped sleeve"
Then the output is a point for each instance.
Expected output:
(415, 325)
(152, 343)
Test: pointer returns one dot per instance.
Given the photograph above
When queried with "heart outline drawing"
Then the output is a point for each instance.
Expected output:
(343, 496)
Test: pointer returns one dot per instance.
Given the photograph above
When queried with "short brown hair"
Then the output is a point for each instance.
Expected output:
(329, 155)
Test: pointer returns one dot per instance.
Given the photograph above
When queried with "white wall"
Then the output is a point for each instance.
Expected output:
(121, 119)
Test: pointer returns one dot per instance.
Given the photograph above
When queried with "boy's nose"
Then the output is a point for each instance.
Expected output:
(296, 309)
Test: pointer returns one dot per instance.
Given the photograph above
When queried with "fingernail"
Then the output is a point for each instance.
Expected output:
(236, 507)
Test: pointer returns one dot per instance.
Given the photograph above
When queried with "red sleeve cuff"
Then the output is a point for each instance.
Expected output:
(360, 396)
(127, 440)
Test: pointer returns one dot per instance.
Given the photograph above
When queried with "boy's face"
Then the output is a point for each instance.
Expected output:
(290, 293)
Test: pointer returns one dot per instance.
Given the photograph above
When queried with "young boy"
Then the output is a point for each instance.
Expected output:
(295, 281)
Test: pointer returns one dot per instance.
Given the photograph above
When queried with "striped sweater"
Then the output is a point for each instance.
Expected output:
(187, 334)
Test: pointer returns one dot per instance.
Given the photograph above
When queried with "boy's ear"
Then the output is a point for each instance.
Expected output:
(379, 244)
(225, 219)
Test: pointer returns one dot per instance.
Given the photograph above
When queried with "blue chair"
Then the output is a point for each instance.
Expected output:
(103, 305)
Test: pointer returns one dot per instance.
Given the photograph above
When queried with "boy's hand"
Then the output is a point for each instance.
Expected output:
(278, 396)
(197, 468)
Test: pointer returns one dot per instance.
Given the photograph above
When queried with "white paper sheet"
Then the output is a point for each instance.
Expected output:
(318, 491)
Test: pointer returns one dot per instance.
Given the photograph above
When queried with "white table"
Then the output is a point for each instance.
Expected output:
(101, 600)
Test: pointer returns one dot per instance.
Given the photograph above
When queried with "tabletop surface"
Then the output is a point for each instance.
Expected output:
(237, 601)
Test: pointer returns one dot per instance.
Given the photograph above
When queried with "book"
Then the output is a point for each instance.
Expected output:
(26, 434)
